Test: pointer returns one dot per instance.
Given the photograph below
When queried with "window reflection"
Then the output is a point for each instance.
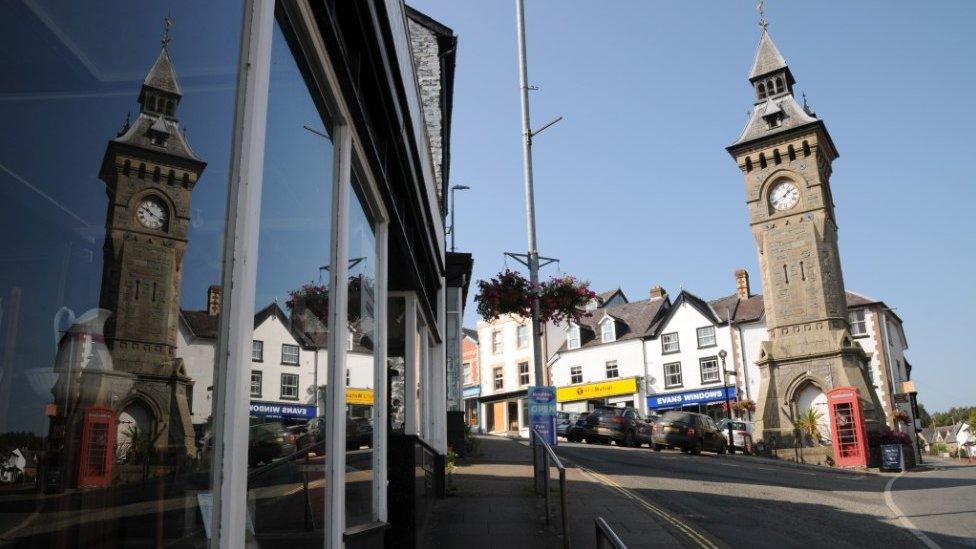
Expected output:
(118, 221)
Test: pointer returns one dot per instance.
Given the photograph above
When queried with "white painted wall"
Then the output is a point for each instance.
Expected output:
(751, 336)
(198, 356)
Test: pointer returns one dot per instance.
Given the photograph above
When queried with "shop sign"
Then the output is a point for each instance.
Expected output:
(690, 398)
(542, 411)
(286, 411)
(359, 396)
(471, 392)
(597, 390)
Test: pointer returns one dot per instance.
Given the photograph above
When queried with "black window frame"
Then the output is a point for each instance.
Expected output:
(261, 344)
(677, 341)
(298, 354)
(681, 376)
(260, 383)
(281, 389)
(574, 375)
(616, 369)
(714, 336)
(701, 369)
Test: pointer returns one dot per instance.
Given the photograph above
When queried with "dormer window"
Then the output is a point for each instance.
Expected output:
(573, 337)
(608, 330)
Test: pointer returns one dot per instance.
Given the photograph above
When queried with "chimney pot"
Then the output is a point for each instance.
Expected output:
(742, 284)
(213, 300)
(657, 291)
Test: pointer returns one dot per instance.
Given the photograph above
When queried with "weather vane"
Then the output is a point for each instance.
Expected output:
(762, 15)
(167, 24)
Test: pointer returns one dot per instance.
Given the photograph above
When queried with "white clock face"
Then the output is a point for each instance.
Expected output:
(152, 214)
(784, 196)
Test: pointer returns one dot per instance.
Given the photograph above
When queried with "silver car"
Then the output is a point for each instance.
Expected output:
(565, 420)
(741, 432)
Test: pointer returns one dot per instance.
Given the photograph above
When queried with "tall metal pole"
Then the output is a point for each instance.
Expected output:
(533, 252)
(453, 207)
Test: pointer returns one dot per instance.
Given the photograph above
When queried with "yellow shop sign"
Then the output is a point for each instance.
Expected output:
(599, 389)
(359, 396)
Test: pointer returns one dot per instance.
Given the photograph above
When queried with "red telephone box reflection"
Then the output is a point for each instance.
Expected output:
(847, 421)
(97, 448)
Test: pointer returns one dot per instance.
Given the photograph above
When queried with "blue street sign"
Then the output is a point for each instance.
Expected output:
(542, 411)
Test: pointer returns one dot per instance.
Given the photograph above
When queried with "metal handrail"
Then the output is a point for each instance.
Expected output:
(550, 456)
(605, 536)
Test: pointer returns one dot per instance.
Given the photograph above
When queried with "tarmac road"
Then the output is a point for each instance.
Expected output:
(743, 501)
(940, 503)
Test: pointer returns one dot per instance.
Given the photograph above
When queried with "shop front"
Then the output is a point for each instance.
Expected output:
(504, 412)
(585, 397)
(703, 401)
(470, 396)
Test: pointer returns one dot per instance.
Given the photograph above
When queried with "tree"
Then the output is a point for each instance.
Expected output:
(924, 417)
(972, 421)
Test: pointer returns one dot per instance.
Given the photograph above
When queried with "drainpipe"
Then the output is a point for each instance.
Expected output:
(643, 389)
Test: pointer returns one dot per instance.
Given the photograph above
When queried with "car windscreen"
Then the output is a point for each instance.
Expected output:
(683, 417)
(739, 426)
(607, 412)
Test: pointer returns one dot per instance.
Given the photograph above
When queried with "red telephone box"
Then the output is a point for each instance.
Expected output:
(850, 439)
(97, 448)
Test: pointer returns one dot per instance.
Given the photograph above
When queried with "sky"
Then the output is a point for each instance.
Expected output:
(634, 187)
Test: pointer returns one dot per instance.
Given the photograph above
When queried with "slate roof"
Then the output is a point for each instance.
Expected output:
(793, 116)
(752, 309)
(162, 75)
(473, 334)
(138, 135)
(767, 59)
(634, 320)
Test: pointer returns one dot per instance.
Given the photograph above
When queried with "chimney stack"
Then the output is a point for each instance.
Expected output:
(657, 291)
(213, 300)
(742, 283)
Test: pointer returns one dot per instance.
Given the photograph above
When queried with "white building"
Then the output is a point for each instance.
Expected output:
(506, 350)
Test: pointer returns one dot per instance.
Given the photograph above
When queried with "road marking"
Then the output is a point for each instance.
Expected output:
(905, 521)
(693, 534)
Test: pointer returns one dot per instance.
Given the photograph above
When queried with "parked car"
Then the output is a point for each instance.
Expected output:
(624, 425)
(575, 431)
(564, 421)
(269, 441)
(688, 431)
(359, 433)
(741, 432)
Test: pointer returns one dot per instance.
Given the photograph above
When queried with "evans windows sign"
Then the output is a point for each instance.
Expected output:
(689, 398)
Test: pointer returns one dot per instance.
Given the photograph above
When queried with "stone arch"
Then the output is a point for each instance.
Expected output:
(137, 415)
(808, 391)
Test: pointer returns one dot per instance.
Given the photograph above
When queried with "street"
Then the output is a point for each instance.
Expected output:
(741, 500)
(940, 503)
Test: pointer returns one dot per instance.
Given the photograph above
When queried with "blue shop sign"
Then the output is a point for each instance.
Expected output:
(690, 398)
(471, 392)
(278, 410)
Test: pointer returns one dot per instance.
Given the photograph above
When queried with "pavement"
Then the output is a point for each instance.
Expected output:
(494, 505)
(938, 504)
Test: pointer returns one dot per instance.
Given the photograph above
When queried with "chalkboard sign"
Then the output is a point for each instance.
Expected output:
(891, 457)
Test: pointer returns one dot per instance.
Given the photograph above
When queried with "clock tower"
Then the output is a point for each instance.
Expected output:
(786, 154)
(149, 172)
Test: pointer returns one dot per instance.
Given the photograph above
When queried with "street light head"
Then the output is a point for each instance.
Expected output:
(722, 354)
(460, 188)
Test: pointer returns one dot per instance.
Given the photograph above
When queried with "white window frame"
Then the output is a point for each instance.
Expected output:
(608, 330)
(665, 343)
(575, 375)
(523, 376)
(705, 330)
(497, 342)
(260, 383)
(257, 345)
(498, 378)
(573, 337)
(667, 376)
(466, 368)
(522, 335)
(298, 354)
(611, 365)
(862, 323)
(701, 367)
(298, 381)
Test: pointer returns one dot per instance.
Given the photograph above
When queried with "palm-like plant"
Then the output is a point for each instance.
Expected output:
(809, 424)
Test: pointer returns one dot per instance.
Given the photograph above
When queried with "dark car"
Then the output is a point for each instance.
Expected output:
(359, 433)
(624, 425)
(575, 431)
(269, 441)
(688, 431)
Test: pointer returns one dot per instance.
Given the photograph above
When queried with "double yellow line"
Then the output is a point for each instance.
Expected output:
(683, 527)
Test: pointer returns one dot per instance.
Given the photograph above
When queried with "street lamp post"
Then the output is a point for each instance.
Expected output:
(453, 206)
(728, 405)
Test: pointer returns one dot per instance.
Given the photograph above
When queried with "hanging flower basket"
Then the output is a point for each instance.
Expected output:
(564, 299)
(746, 405)
(507, 293)
(902, 416)
(311, 297)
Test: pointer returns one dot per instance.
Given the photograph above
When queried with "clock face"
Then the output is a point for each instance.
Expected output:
(784, 196)
(152, 213)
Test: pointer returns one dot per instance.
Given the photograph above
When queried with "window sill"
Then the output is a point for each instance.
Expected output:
(674, 386)
(257, 359)
(860, 336)
(708, 346)
(289, 399)
(671, 352)
(711, 382)
(289, 364)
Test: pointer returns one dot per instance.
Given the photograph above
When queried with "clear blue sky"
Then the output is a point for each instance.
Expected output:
(634, 187)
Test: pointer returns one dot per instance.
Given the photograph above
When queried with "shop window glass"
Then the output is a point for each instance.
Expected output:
(96, 384)
(291, 308)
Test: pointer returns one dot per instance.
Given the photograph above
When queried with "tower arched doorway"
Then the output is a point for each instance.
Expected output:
(810, 396)
(136, 430)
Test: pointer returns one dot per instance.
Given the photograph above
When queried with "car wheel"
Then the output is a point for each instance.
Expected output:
(722, 448)
(696, 450)
(629, 440)
(657, 447)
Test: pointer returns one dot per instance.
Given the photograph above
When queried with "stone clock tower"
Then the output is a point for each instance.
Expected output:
(149, 172)
(786, 156)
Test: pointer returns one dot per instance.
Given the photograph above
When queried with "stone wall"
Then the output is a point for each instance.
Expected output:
(427, 64)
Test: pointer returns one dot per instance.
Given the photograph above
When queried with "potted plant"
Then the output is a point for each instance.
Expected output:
(746, 405)
(507, 292)
(902, 416)
(564, 299)
(809, 425)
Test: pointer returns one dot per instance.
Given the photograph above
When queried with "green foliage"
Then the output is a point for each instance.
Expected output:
(24, 440)
(924, 416)
(939, 448)
(972, 421)
(953, 416)
(809, 423)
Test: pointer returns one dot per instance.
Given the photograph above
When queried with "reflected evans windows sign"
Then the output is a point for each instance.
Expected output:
(277, 410)
(689, 398)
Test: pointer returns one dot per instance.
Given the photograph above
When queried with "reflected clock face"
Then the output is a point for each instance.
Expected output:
(784, 196)
(152, 214)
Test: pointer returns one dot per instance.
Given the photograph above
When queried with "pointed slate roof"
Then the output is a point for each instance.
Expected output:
(162, 75)
(768, 58)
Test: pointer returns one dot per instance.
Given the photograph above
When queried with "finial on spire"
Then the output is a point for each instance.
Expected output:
(763, 24)
(167, 24)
